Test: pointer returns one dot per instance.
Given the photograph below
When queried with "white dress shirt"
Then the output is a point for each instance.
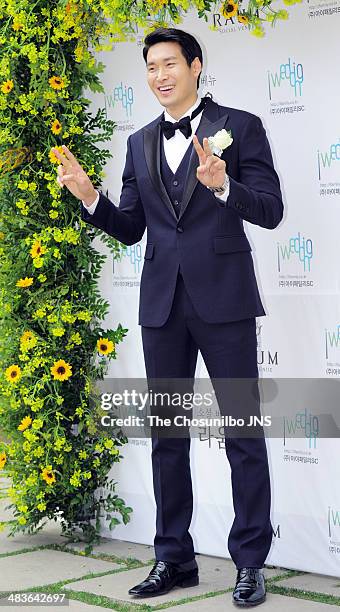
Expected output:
(174, 149)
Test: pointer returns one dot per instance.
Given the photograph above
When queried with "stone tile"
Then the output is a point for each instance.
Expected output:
(272, 572)
(279, 603)
(44, 567)
(50, 534)
(215, 574)
(315, 583)
(118, 548)
(76, 606)
(5, 514)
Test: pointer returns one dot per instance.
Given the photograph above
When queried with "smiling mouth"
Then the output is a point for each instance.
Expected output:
(166, 89)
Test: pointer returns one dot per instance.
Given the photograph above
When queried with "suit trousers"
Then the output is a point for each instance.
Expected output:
(229, 350)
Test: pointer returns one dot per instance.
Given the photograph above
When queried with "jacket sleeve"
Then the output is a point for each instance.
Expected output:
(256, 197)
(126, 222)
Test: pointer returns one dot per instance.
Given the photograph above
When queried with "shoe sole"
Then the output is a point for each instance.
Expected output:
(187, 582)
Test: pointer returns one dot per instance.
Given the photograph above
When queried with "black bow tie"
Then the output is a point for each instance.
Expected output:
(184, 125)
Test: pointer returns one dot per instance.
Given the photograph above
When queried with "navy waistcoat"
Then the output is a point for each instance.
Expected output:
(175, 183)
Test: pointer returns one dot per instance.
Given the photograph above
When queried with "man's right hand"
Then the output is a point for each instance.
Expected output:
(71, 174)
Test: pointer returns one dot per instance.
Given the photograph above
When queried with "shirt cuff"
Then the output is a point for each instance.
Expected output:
(224, 196)
(90, 209)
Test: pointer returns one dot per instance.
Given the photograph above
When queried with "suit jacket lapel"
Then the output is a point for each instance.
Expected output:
(210, 124)
(152, 149)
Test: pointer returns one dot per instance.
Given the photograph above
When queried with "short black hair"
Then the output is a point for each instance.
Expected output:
(189, 45)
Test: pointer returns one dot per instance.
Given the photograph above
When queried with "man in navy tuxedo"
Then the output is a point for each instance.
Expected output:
(198, 288)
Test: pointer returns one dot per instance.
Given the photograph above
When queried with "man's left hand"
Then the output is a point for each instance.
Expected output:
(212, 170)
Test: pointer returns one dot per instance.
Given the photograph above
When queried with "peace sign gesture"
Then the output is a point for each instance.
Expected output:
(212, 170)
(71, 174)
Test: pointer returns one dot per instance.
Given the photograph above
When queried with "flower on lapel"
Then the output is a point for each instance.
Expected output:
(220, 141)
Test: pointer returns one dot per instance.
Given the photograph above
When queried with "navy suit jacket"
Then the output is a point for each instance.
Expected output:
(208, 240)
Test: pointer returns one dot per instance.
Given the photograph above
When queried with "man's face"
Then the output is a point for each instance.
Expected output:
(170, 78)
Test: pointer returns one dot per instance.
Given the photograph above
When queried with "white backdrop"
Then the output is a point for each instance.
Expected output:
(291, 80)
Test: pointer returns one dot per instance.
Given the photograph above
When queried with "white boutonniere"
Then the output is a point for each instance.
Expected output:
(220, 141)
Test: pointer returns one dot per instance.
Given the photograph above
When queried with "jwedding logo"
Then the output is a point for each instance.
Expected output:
(289, 74)
(295, 255)
(124, 95)
(332, 351)
(127, 266)
(285, 88)
(304, 422)
(121, 99)
(328, 169)
(333, 523)
(332, 340)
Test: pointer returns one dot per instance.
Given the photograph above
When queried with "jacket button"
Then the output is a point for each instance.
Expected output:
(179, 228)
(176, 202)
(175, 183)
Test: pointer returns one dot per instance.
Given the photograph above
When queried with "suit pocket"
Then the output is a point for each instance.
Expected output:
(149, 251)
(231, 244)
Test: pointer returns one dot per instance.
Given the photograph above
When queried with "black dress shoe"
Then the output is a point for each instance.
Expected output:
(164, 576)
(250, 587)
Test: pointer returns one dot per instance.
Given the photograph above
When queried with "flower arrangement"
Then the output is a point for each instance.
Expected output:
(53, 347)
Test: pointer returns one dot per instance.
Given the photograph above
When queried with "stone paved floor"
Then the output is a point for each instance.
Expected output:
(101, 581)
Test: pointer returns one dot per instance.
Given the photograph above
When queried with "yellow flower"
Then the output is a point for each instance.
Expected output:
(25, 282)
(37, 249)
(17, 25)
(3, 459)
(108, 443)
(22, 520)
(229, 9)
(42, 278)
(53, 214)
(26, 422)
(7, 86)
(56, 82)
(58, 331)
(105, 346)
(37, 423)
(41, 507)
(243, 19)
(61, 370)
(258, 32)
(28, 340)
(56, 127)
(53, 158)
(13, 373)
(48, 475)
(38, 262)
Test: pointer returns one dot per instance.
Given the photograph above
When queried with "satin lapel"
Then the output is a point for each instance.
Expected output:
(152, 156)
(205, 129)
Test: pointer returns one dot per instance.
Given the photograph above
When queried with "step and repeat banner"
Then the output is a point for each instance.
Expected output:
(290, 79)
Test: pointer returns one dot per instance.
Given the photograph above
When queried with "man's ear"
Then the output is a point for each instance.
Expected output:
(196, 65)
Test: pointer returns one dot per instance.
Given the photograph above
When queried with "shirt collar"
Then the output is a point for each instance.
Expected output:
(189, 112)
